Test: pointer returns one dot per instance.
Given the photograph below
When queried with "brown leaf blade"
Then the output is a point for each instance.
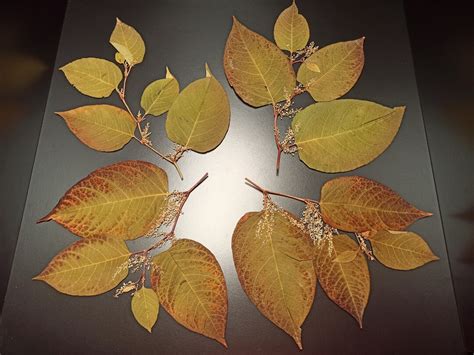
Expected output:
(274, 265)
(145, 307)
(358, 204)
(122, 201)
(291, 30)
(346, 283)
(88, 267)
(190, 285)
(257, 69)
(401, 250)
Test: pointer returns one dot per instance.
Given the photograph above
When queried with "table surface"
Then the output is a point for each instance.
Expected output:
(408, 312)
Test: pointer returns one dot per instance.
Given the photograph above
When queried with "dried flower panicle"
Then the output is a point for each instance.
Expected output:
(265, 224)
(288, 143)
(169, 214)
(301, 55)
(320, 232)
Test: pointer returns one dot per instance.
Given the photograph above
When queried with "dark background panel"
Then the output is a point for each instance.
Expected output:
(410, 312)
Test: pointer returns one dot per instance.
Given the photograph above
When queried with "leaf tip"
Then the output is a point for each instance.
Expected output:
(208, 71)
(168, 74)
(222, 341)
(46, 218)
(118, 21)
(38, 277)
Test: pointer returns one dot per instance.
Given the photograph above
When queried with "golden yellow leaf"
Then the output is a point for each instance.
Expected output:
(346, 256)
(199, 118)
(159, 95)
(343, 135)
(358, 204)
(256, 68)
(128, 42)
(401, 250)
(94, 77)
(340, 65)
(273, 259)
(88, 267)
(121, 201)
(102, 127)
(145, 307)
(291, 29)
(346, 283)
(190, 285)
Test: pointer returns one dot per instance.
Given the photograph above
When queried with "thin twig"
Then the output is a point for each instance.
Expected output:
(268, 192)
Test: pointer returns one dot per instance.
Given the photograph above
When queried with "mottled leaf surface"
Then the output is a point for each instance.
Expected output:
(159, 95)
(291, 30)
(145, 307)
(128, 42)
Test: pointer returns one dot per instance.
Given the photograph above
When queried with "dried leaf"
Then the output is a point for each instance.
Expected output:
(94, 77)
(121, 201)
(401, 250)
(102, 127)
(191, 287)
(128, 42)
(346, 256)
(119, 58)
(200, 116)
(160, 94)
(274, 265)
(257, 69)
(343, 135)
(346, 284)
(357, 204)
(145, 307)
(88, 267)
(340, 65)
(291, 30)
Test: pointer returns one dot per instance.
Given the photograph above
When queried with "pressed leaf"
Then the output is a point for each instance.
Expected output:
(291, 30)
(274, 265)
(145, 307)
(346, 283)
(346, 256)
(94, 77)
(257, 69)
(121, 201)
(160, 94)
(102, 127)
(119, 58)
(200, 116)
(88, 267)
(339, 64)
(358, 204)
(343, 135)
(401, 250)
(128, 42)
(190, 285)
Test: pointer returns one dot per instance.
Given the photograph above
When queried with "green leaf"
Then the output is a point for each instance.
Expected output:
(291, 29)
(200, 116)
(128, 42)
(257, 69)
(190, 285)
(94, 77)
(343, 135)
(102, 127)
(339, 65)
(88, 267)
(158, 96)
(401, 250)
(145, 307)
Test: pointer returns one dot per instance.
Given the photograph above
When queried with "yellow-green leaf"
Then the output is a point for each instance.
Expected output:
(128, 42)
(257, 69)
(343, 135)
(200, 116)
(346, 283)
(358, 204)
(190, 285)
(145, 307)
(119, 58)
(273, 259)
(121, 201)
(291, 29)
(94, 77)
(340, 65)
(401, 250)
(102, 127)
(88, 267)
(346, 256)
(158, 96)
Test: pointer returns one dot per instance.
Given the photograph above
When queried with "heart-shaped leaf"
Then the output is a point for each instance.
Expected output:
(158, 96)
(145, 307)
(273, 258)
(257, 69)
(343, 135)
(358, 204)
(291, 29)
(128, 42)
(102, 127)
(88, 267)
(191, 287)
(121, 201)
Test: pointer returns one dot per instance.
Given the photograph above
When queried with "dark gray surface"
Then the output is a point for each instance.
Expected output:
(410, 312)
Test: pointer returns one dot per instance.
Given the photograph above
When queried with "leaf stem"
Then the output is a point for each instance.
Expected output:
(276, 135)
(268, 192)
